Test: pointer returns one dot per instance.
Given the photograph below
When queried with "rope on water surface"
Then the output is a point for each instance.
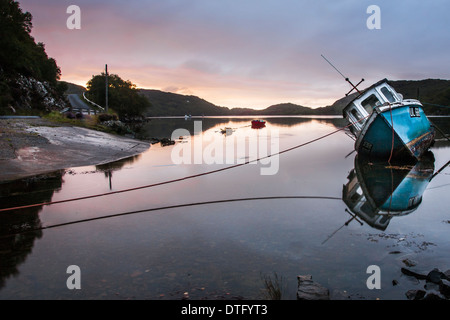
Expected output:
(170, 207)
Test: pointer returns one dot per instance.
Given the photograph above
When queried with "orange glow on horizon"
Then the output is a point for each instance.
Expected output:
(224, 97)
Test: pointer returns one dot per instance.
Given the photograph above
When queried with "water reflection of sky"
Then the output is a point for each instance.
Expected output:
(214, 249)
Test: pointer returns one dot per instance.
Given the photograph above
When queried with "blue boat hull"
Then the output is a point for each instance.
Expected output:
(396, 133)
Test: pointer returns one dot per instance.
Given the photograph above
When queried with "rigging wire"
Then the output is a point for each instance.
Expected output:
(440, 170)
(435, 105)
(440, 131)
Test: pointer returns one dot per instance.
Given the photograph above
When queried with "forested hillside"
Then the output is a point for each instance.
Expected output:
(28, 77)
(433, 93)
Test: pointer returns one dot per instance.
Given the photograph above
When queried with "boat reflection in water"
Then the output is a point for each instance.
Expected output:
(377, 192)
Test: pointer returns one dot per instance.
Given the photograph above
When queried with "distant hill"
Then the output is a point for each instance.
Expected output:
(287, 109)
(73, 88)
(172, 104)
(430, 92)
(337, 107)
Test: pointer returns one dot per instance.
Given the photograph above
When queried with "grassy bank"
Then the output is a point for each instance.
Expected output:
(99, 122)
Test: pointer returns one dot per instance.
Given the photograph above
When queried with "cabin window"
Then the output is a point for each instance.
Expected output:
(388, 94)
(356, 114)
(355, 197)
(370, 103)
(414, 201)
(367, 209)
(414, 112)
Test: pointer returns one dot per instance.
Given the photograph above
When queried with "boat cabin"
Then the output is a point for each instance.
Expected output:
(358, 110)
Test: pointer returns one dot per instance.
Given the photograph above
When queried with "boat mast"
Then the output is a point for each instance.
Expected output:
(354, 87)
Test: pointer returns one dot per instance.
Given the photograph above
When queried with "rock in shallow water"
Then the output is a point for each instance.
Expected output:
(435, 276)
(415, 294)
(444, 288)
(310, 290)
(437, 285)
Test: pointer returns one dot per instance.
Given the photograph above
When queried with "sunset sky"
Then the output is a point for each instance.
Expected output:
(247, 53)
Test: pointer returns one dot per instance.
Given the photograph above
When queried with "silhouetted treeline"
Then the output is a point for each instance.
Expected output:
(27, 74)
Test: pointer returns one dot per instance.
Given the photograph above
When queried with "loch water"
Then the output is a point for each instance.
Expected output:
(205, 233)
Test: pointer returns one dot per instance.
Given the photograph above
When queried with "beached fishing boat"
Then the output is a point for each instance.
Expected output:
(258, 124)
(386, 126)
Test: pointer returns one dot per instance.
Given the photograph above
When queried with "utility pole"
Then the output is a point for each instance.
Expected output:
(106, 97)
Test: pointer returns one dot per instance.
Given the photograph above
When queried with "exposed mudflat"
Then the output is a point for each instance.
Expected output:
(34, 146)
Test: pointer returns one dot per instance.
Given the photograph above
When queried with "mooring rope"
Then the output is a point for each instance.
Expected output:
(169, 207)
(441, 132)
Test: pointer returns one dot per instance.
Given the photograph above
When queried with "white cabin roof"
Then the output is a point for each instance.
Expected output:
(375, 95)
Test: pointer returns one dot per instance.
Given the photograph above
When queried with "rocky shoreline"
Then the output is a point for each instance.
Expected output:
(32, 146)
(435, 284)
(436, 287)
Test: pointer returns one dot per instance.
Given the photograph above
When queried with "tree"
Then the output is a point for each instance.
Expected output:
(123, 97)
(20, 55)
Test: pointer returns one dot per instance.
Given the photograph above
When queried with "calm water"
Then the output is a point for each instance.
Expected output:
(224, 250)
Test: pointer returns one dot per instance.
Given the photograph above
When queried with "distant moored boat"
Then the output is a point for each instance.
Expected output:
(258, 124)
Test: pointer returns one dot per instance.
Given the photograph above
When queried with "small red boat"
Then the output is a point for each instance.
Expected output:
(258, 124)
